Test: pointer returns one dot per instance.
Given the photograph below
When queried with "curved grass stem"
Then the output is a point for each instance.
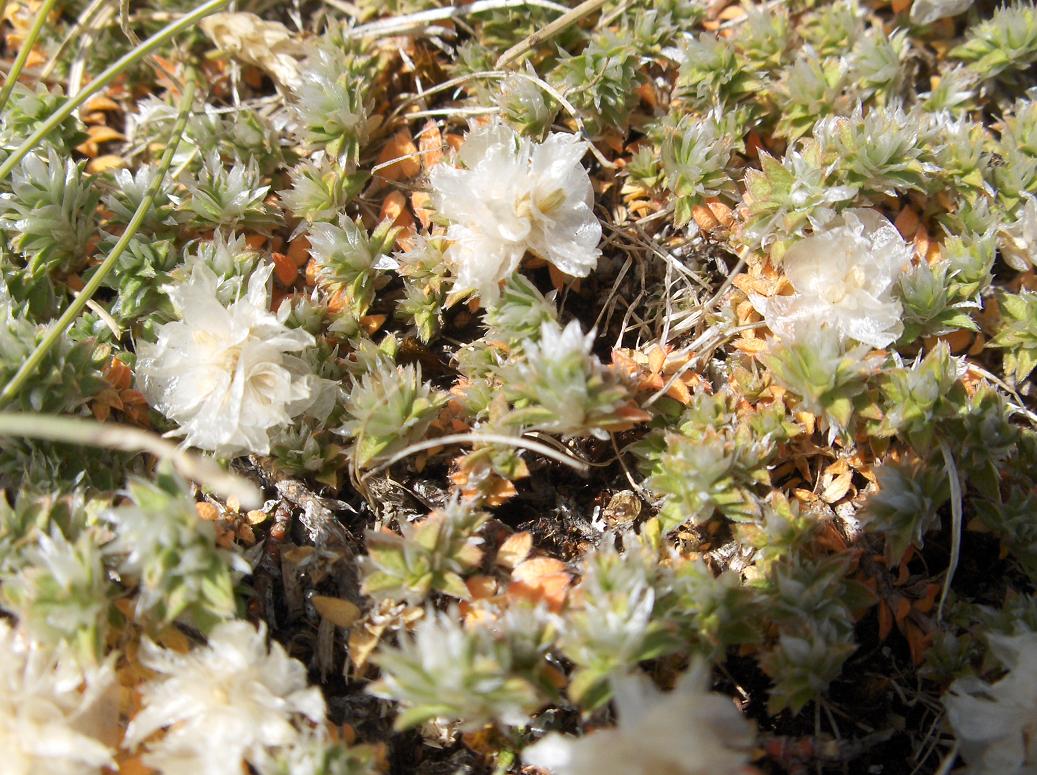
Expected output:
(77, 430)
(519, 442)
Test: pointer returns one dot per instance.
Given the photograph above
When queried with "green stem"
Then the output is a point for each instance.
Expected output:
(77, 430)
(25, 50)
(31, 363)
(106, 77)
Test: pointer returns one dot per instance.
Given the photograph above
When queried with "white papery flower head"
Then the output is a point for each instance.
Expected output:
(54, 713)
(690, 731)
(235, 700)
(1019, 238)
(226, 374)
(513, 195)
(844, 276)
(996, 723)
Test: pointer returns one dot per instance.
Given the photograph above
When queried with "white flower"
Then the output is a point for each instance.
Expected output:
(1019, 239)
(225, 373)
(843, 275)
(996, 723)
(514, 195)
(53, 713)
(690, 731)
(229, 702)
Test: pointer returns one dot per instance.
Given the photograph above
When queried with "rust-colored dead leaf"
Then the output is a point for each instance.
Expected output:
(394, 209)
(421, 202)
(657, 360)
(723, 214)
(515, 549)
(104, 134)
(400, 155)
(362, 643)
(704, 218)
(560, 279)
(455, 141)
(750, 346)
(481, 587)
(285, 270)
(255, 241)
(918, 641)
(117, 374)
(207, 511)
(256, 516)
(132, 765)
(921, 241)
(299, 251)
(907, 222)
(541, 579)
(430, 144)
(371, 323)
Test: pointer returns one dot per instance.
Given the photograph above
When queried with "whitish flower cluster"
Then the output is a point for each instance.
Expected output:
(444, 671)
(60, 596)
(514, 195)
(226, 374)
(562, 387)
(53, 713)
(844, 276)
(172, 553)
(232, 701)
(690, 731)
(996, 723)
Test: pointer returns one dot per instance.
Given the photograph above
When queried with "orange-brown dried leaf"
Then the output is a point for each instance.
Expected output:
(541, 580)
(107, 163)
(400, 155)
(515, 549)
(394, 209)
(299, 251)
(285, 270)
(421, 202)
(430, 145)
